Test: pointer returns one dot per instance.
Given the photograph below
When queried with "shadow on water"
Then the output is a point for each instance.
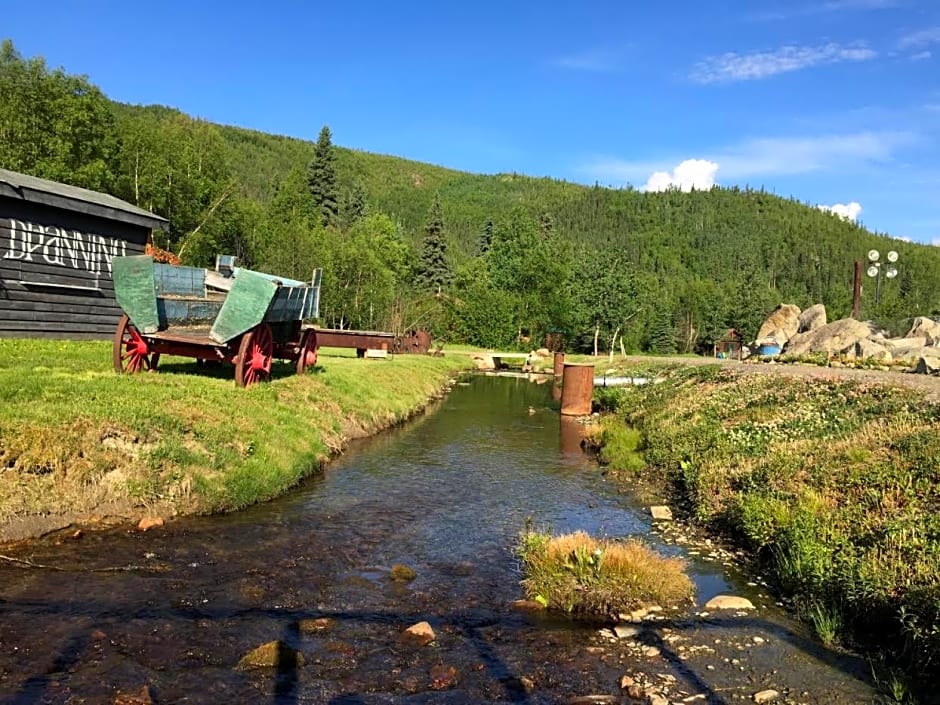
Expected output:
(446, 496)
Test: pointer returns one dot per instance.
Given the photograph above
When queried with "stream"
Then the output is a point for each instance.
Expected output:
(173, 610)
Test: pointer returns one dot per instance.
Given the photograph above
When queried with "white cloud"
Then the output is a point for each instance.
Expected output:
(767, 156)
(935, 242)
(800, 155)
(732, 66)
(846, 211)
(692, 173)
(920, 38)
(921, 56)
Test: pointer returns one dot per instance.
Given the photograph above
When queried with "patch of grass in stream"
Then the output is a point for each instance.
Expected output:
(833, 485)
(74, 434)
(578, 573)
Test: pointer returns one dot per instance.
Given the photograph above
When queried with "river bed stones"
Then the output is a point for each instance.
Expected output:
(729, 602)
(420, 634)
(274, 654)
(661, 512)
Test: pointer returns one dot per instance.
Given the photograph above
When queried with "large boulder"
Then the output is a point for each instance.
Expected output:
(870, 350)
(928, 366)
(781, 325)
(812, 318)
(915, 352)
(912, 341)
(926, 328)
(836, 337)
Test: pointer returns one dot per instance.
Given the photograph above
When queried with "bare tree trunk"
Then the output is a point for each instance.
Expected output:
(613, 344)
(597, 332)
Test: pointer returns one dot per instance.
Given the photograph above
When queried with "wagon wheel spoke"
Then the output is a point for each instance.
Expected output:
(131, 353)
(255, 354)
(307, 354)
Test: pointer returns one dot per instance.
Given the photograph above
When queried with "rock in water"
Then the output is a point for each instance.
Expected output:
(729, 602)
(274, 654)
(143, 697)
(420, 634)
(147, 523)
(661, 513)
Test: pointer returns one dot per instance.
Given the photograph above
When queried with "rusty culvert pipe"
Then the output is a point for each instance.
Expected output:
(577, 389)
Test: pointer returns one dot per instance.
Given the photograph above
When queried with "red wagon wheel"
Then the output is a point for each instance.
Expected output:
(307, 356)
(131, 352)
(255, 354)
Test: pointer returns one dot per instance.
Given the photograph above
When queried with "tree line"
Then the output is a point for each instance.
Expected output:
(494, 260)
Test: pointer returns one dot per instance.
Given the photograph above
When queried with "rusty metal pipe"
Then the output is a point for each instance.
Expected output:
(577, 389)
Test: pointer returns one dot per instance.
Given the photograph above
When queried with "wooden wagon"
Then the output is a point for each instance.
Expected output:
(231, 315)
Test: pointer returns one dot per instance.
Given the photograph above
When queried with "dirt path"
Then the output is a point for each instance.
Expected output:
(927, 385)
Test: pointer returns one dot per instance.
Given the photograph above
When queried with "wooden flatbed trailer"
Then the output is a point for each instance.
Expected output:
(418, 342)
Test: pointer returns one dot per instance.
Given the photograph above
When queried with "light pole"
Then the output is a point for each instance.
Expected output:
(875, 269)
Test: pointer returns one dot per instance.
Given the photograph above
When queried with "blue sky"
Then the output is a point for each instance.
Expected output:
(834, 102)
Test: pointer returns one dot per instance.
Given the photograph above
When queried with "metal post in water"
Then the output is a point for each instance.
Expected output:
(558, 368)
(559, 364)
(577, 389)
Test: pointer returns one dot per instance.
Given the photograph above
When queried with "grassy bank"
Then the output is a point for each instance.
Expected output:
(834, 486)
(75, 436)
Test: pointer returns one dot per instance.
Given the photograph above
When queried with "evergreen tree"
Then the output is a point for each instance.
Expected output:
(322, 179)
(355, 207)
(663, 336)
(486, 237)
(433, 269)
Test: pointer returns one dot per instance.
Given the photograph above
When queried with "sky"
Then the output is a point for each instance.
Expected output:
(833, 102)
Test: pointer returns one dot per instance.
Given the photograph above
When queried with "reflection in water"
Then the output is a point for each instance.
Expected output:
(570, 435)
(447, 496)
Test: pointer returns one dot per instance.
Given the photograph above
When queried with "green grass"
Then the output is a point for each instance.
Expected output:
(580, 574)
(74, 434)
(833, 486)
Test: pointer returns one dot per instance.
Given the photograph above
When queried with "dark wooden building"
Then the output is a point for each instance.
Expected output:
(56, 245)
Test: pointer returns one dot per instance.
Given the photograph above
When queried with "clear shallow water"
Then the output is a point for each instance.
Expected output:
(446, 495)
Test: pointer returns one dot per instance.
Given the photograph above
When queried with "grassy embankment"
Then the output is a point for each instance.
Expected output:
(834, 486)
(75, 436)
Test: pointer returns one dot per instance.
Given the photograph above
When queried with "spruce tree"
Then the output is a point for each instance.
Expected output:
(355, 207)
(322, 179)
(433, 270)
(663, 335)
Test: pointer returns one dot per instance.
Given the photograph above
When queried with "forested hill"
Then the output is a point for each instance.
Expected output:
(481, 258)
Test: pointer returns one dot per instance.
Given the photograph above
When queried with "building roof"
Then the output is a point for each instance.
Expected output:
(72, 198)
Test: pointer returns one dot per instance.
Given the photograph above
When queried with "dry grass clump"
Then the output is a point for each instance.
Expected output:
(578, 573)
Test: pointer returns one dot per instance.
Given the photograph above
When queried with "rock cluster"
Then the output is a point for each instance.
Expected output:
(801, 333)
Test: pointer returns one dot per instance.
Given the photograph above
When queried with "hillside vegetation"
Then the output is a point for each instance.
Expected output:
(485, 259)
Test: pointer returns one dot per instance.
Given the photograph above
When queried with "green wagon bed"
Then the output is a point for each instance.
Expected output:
(233, 315)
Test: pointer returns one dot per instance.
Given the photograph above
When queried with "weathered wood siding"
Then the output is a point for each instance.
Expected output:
(55, 271)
